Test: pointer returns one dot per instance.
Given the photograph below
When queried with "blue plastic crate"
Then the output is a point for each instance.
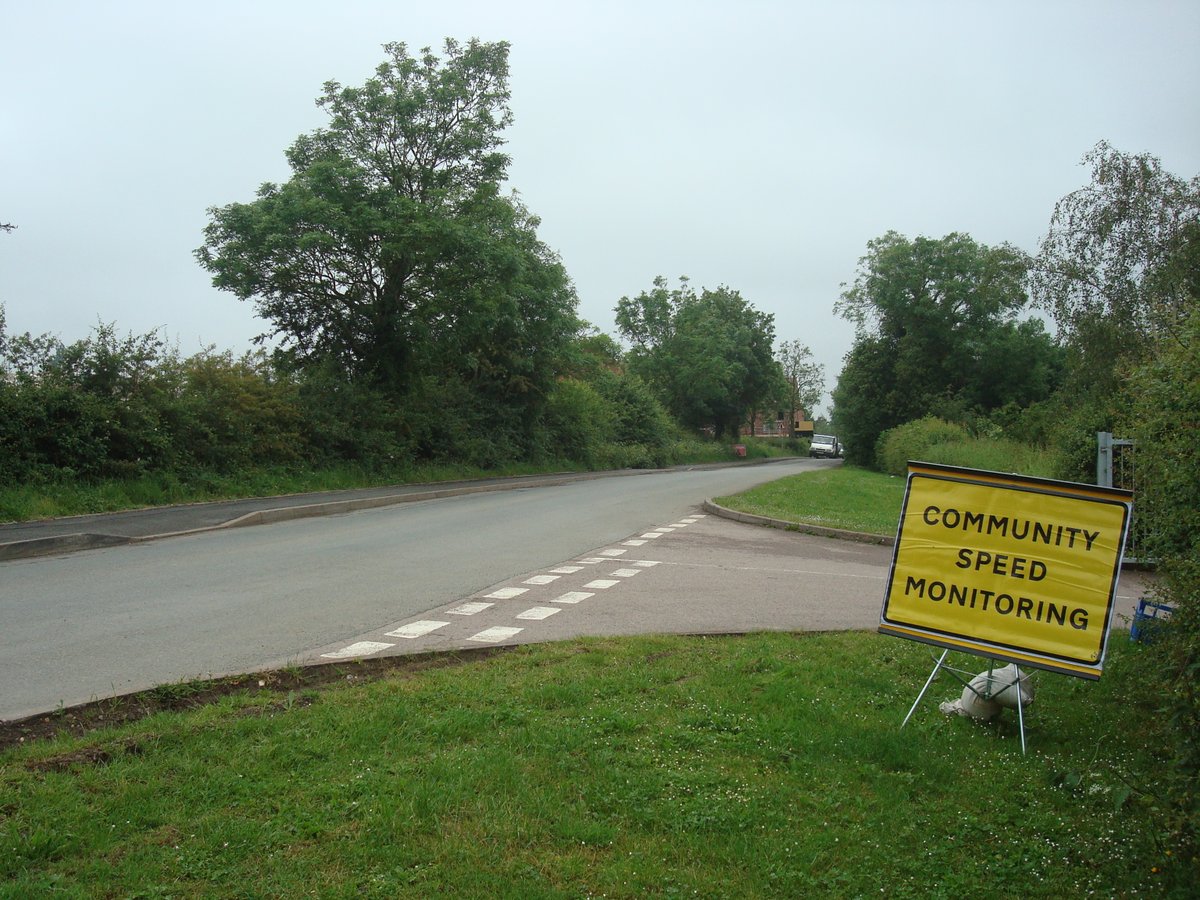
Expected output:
(1149, 620)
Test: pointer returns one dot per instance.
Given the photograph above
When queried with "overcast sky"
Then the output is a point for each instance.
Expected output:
(759, 144)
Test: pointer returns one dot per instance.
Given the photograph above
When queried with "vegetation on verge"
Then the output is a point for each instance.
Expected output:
(759, 766)
(844, 497)
(934, 440)
(941, 371)
(70, 497)
(937, 330)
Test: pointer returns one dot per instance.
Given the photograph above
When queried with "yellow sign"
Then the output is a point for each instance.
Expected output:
(1009, 567)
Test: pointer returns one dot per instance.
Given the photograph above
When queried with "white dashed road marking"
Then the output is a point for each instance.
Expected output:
(417, 629)
(469, 609)
(539, 612)
(572, 597)
(362, 648)
(493, 604)
(506, 593)
(495, 635)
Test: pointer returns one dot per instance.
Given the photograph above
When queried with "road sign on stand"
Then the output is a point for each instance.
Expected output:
(1007, 567)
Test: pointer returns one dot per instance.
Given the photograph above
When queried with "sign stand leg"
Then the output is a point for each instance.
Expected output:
(928, 682)
(1021, 709)
(990, 695)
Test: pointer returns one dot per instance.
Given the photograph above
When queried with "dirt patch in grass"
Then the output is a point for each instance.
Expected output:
(113, 711)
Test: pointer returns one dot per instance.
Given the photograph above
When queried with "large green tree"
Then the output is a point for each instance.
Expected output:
(391, 254)
(803, 380)
(707, 355)
(937, 328)
(1108, 269)
(1112, 271)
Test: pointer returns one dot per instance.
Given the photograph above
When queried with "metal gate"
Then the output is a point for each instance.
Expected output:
(1115, 468)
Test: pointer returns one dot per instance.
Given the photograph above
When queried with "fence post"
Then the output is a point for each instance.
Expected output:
(1104, 460)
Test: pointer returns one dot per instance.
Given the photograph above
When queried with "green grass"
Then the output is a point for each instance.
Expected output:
(770, 765)
(844, 497)
(69, 497)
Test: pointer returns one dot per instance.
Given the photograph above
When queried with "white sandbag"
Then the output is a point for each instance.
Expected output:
(988, 692)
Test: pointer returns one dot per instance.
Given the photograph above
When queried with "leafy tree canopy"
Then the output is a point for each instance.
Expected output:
(803, 378)
(391, 254)
(937, 323)
(708, 355)
(1108, 269)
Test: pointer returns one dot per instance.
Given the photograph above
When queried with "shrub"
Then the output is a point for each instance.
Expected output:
(1163, 412)
(578, 422)
(996, 455)
(914, 440)
(638, 417)
(230, 414)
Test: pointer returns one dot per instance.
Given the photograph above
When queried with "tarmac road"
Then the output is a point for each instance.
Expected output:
(77, 626)
(568, 557)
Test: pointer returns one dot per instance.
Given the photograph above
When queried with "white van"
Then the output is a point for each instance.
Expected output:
(825, 445)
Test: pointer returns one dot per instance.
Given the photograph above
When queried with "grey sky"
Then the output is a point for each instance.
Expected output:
(755, 144)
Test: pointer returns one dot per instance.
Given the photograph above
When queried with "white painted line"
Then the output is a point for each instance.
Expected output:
(506, 593)
(652, 534)
(572, 597)
(362, 648)
(633, 543)
(615, 551)
(416, 629)
(539, 612)
(495, 635)
(601, 584)
(567, 570)
(644, 563)
(592, 560)
(625, 573)
(469, 609)
(541, 579)
(680, 524)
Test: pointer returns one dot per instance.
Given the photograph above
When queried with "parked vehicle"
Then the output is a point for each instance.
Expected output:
(826, 446)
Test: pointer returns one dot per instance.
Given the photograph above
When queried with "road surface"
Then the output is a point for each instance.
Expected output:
(99, 623)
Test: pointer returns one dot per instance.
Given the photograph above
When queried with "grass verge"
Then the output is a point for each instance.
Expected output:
(843, 497)
(766, 765)
(70, 497)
